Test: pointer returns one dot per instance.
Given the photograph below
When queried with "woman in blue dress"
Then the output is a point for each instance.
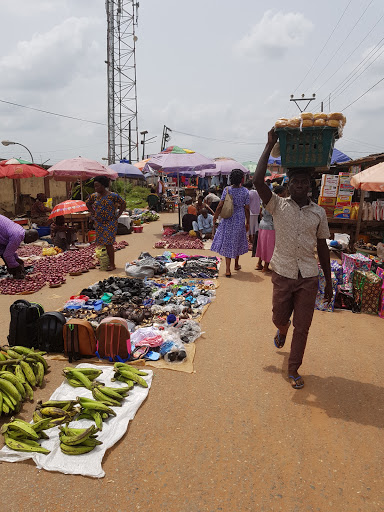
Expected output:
(231, 236)
(106, 207)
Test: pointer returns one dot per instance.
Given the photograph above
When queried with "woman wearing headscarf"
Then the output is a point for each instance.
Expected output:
(106, 207)
(39, 212)
(231, 236)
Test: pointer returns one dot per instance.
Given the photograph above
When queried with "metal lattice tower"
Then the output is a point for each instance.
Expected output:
(122, 95)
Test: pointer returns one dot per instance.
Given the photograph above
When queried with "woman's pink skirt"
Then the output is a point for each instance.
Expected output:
(265, 244)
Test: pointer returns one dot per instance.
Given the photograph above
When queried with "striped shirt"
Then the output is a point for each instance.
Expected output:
(11, 235)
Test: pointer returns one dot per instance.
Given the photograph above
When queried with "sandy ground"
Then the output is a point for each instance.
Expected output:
(233, 436)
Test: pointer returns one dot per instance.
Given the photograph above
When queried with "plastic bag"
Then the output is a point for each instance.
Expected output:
(139, 272)
(102, 255)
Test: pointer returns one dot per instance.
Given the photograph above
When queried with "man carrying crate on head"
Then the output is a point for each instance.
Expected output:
(300, 226)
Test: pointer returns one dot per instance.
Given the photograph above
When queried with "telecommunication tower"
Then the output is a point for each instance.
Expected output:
(122, 17)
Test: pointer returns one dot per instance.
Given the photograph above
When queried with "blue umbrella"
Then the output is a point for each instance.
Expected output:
(125, 170)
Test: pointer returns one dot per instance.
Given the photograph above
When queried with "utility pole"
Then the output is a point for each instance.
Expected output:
(122, 21)
(165, 138)
(303, 98)
(144, 133)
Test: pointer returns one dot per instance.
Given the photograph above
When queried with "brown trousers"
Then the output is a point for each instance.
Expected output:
(295, 296)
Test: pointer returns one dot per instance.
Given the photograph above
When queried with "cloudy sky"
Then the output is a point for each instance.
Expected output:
(219, 71)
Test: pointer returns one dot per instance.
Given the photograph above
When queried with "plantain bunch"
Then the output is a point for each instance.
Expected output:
(22, 436)
(130, 375)
(81, 377)
(76, 441)
(21, 370)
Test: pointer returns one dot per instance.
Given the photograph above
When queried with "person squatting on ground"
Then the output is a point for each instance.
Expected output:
(300, 226)
(105, 207)
(230, 239)
(266, 239)
(62, 235)
(11, 236)
(203, 227)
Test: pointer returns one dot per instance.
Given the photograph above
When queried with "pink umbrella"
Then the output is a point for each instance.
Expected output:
(225, 166)
(371, 179)
(79, 169)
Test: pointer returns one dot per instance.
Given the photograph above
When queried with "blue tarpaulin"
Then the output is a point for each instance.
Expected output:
(337, 158)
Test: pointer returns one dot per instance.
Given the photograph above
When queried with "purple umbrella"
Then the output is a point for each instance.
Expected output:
(181, 163)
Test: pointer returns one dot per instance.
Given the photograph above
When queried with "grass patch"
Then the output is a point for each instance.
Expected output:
(135, 196)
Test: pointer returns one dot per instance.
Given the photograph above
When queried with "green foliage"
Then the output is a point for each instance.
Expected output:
(135, 196)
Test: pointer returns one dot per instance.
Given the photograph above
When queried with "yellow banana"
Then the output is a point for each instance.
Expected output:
(37, 417)
(132, 369)
(57, 403)
(28, 372)
(57, 421)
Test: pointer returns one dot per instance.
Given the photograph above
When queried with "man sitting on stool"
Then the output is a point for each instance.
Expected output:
(204, 224)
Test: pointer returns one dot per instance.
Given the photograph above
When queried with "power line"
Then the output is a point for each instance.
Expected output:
(354, 71)
(363, 143)
(326, 42)
(53, 113)
(219, 140)
(357, 99)
(349, 33)
(350, 55)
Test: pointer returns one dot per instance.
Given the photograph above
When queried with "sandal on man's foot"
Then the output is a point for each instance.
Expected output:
(295, 381)
(238, 267)
(279, 339)
(228, 275)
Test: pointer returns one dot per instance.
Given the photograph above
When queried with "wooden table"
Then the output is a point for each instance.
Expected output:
(351, 227)
(79, 219)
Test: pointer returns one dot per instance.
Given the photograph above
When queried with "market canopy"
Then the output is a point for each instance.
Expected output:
(126, 170)
(16, 168)
(372, 179)
(79, 169)
(224, 166)
(177, 160)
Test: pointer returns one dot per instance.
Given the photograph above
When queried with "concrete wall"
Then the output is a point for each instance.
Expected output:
(29, 187)
(7, 197)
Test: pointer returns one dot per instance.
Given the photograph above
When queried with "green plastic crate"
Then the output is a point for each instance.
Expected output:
(311, 147)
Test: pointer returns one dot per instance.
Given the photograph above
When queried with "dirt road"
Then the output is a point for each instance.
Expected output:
(233, 436)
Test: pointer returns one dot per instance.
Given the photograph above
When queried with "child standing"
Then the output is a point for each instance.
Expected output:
(266, 240)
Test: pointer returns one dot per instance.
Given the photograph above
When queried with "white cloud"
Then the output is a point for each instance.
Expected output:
(274, 35)
(52, 59)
